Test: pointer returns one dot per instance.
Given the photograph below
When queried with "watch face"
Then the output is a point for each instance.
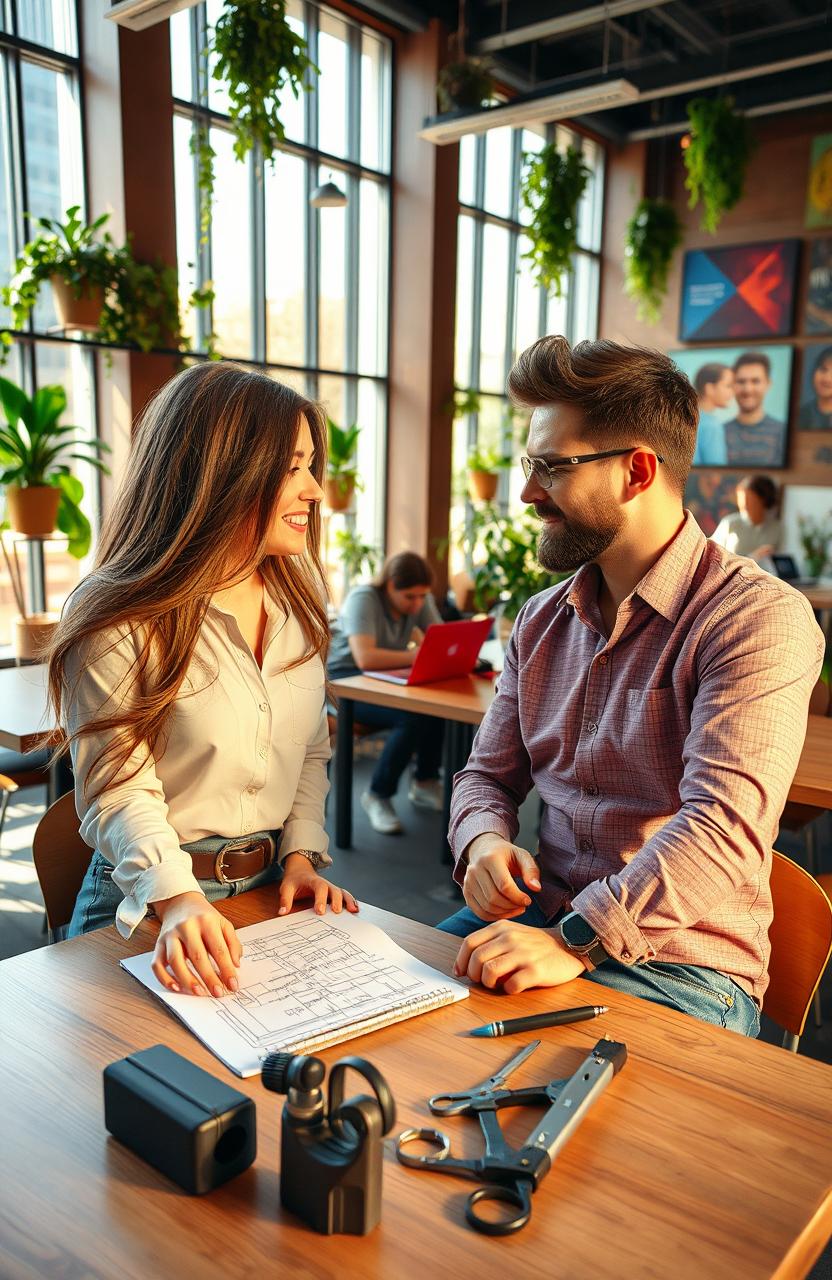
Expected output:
(576, 931)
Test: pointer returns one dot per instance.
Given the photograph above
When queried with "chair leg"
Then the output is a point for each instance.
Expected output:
(4, 804)
(790, 1041)
(811, 837)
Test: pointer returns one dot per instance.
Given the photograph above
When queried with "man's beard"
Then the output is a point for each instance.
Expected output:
(576, 541)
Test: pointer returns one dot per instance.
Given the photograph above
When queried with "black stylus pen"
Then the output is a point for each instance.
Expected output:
(556, 1019)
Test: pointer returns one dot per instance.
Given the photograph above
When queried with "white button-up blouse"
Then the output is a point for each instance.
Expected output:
(246, 750)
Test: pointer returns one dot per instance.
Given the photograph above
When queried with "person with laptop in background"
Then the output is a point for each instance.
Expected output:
(755, 529)
(657, 700)
(381, 627)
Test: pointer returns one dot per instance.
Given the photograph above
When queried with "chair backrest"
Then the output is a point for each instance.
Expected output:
(61, 859)
(801, 943)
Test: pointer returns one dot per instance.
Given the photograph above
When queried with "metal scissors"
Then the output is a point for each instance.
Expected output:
(512, 1174)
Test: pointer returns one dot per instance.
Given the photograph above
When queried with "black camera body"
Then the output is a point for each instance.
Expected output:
(331, 1150)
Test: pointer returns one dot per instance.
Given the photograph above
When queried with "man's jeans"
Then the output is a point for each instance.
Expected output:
(704, 993)
(411, 735)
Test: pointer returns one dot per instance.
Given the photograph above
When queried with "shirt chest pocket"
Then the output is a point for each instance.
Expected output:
(306, 696)
(652, 738)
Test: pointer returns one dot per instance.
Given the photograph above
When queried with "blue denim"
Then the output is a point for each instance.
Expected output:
(99, 897)
(411, 735)
(703, 993)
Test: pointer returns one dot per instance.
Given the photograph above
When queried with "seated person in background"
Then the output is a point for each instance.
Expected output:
(380, 627)
(657, 700)
(714, 385)
(187, 673)
(816, 414)
(755, 529)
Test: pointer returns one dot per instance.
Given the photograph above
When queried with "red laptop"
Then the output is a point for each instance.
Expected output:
(449, 649)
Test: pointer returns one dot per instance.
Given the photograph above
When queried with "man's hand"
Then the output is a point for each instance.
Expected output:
(516, 957)
(489, 888)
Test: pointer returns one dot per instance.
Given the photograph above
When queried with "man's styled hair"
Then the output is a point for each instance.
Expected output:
(754, 357)
(627, 395)
(708, 375)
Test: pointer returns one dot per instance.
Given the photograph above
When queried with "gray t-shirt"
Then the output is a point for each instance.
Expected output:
(365, 613)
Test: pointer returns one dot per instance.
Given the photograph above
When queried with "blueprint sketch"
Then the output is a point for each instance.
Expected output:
(305, 981)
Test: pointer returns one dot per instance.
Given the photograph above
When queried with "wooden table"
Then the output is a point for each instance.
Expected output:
(466, 702)
(25, 723)
(708, 1155)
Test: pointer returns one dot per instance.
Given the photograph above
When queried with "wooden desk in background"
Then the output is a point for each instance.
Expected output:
(708, 1156)
(465, 702)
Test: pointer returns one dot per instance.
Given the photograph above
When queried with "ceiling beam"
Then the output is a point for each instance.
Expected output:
(764, 109)
(589, 17)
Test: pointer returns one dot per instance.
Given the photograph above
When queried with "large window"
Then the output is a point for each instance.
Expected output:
(500, 310)
(41, 175)
(300, 291)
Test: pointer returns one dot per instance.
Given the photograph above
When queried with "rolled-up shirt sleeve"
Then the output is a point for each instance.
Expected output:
(758, 665)
(488, 792)
(125, 818)
(303, 828)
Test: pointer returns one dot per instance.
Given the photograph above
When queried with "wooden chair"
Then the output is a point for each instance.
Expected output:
(801, 944)
(61, 859)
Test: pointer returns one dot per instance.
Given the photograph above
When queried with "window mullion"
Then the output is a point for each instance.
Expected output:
(312, 241)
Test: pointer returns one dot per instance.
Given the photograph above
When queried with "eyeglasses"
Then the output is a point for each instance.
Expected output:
(545, 472)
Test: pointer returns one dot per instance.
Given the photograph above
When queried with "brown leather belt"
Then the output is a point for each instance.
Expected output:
(237, 860)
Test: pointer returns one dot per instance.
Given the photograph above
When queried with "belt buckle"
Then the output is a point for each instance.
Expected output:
(243, 845)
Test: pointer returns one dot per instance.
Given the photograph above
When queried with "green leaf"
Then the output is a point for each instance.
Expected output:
(14, 400)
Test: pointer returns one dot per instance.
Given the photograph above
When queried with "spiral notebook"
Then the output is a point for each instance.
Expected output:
(306, 981)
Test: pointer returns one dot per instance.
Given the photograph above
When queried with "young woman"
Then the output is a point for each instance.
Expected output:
(188, 674)
(754, 530)
(381, 627)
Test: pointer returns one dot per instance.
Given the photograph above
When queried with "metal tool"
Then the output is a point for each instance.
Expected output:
(512, 1174)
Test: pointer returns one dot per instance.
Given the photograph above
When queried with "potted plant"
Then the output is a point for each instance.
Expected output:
(653, 235)
(484, 466)
(99, 286)
(41, 493)
(357, 557)
(716, 152)
(506, 570)
(464, 85)
(552, 185)
(341, 471)
(257, 56)
(815, 539)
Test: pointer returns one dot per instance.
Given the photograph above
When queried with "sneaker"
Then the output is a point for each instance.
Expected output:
(427, 795)
(382, 815)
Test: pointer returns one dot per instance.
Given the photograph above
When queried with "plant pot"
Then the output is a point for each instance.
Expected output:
(482, 485)
(77, 313)
(33, 634)
(339, 493)
(33, 509)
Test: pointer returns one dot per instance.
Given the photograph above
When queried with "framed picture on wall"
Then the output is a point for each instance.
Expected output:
(818, 317)
(819, 185)
(743, 395)
(711, 495)
(815, 405)
(739, 291)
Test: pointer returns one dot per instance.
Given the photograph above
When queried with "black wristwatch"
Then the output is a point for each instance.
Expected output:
(579, 937)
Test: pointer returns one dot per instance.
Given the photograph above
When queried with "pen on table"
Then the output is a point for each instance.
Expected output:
(555, 1019)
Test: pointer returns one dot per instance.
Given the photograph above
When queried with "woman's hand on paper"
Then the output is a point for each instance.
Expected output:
(301, 880)
(197, 950)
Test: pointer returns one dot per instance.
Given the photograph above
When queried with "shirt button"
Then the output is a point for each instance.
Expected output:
(592, 727)
(251, 791)
(602, 661)
(262, 752)
(625, 955)
(592, 791)
(264, 706)
(586, 845)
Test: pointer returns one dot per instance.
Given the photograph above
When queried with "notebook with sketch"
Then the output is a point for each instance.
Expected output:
(449, 649)
(306, 981)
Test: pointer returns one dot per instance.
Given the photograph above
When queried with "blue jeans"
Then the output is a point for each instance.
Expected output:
(99, 898)
(411, 735)
(703, 993)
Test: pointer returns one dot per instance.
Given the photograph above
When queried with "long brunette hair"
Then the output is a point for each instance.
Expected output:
(212, 451)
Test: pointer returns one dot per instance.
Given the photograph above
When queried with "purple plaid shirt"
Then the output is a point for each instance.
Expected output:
(663, 754)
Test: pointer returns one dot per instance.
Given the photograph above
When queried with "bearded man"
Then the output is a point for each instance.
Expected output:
(657, 700)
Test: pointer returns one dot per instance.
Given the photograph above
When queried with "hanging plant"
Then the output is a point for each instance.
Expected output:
(257, 56)
(716, 157)
(552, 185)
(464, 85)
(653, 235)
